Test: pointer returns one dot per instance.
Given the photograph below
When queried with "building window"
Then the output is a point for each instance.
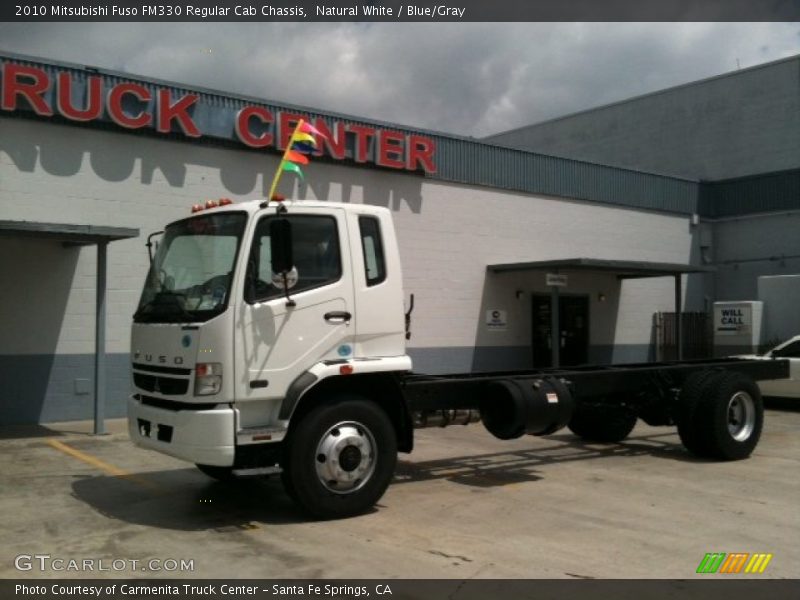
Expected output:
(315, 249)
(372, 246)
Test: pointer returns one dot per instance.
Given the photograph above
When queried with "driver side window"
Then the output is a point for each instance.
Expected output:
(317, 258)
(790, 351)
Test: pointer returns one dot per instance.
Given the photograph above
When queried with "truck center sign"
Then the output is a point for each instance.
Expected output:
(133, 105)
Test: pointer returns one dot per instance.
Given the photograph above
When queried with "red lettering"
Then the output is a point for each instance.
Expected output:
(115, 105)
(288, 121)
(363, 133)
(32, 91)
(168, 112)
(391, 150)
(420, 152)
(94, 99)
(335, 145)
(243, 126)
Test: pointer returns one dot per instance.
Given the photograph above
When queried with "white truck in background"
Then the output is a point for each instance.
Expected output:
(270, 337)
(788, 387)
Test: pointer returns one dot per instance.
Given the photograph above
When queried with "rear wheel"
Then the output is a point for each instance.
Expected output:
(607, 423)
(340, 458)
(731, 416)
(689, 427)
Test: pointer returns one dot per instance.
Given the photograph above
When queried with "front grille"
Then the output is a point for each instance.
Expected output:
(174, 405)
(169, 386)
(157, 369)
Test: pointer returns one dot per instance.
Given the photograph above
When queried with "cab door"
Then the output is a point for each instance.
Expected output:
(276, 342)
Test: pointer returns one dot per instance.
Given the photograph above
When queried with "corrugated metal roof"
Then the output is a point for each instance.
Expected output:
(768, 192)
(459, 159)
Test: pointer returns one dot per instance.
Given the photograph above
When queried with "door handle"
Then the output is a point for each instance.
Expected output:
(338, 316)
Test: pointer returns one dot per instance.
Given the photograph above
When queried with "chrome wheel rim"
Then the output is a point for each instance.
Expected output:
(741, 416)
(345, 457)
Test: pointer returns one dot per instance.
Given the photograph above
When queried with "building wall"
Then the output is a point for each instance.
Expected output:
(780, 294)
(448, 234)
(746, 248)
(705, 130)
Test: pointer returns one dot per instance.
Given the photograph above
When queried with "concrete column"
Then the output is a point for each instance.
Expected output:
(100, 342)
(555, 330)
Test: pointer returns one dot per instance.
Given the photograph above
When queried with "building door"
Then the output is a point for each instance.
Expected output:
(573, 313)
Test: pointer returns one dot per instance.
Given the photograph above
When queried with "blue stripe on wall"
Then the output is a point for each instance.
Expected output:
(42, 388)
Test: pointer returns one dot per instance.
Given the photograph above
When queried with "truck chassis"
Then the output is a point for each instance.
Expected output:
(340, 452)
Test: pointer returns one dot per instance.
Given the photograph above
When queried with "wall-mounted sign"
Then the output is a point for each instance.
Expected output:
(556, 279)
(496, 320)
(733, 319)
(132, 105)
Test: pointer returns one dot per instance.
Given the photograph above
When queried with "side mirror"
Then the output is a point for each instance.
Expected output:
(280, 245)
(151, 244)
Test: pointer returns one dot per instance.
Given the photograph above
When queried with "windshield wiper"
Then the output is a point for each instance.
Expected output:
(158, 302)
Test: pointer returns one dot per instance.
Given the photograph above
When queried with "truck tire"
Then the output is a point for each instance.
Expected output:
(605, 423)
(689, 428)
(219, 473)
(340, 457)
(729, 416)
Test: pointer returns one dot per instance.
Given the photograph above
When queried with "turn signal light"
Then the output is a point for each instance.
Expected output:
(208, 379)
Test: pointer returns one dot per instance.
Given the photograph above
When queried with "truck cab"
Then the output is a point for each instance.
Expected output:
(225, 346)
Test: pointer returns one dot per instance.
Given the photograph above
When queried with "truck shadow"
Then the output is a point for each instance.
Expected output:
(783, 404)
(526, 465)
(187, 500)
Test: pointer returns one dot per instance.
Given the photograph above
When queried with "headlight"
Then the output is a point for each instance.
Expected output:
(207, 379)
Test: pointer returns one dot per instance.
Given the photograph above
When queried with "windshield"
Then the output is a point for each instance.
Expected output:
(190, 278)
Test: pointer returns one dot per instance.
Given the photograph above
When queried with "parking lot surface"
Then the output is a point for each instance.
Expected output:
(463, 505)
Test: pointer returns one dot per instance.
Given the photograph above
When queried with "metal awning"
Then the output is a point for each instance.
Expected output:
(623, 269)
(82, 235)
(79, 235)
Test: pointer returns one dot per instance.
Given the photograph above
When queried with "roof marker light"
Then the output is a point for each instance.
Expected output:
(211, 204)
(197, 208)
(225, 201)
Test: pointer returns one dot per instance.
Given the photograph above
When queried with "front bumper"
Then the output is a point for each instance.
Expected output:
(199, 436)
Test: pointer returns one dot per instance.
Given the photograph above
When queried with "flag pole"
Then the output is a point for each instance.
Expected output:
(279, 170)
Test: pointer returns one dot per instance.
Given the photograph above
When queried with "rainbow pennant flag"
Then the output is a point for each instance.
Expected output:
(301, 144)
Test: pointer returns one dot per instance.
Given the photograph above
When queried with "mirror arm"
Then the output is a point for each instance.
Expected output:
(289, 302)
(149, 244)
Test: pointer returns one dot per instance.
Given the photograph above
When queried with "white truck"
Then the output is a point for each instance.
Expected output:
(271, 338)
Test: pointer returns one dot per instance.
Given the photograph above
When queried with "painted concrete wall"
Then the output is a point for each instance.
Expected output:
(746, 248)
(448, 234)
(702, 130)
(781, 297)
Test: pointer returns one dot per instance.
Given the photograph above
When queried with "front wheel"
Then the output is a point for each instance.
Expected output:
(340, 458)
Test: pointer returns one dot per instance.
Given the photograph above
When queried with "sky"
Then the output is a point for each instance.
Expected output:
(469, 79)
